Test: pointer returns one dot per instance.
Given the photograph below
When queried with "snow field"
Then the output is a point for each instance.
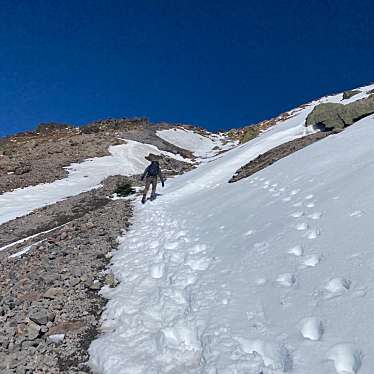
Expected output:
(201, 146)
(264, 280)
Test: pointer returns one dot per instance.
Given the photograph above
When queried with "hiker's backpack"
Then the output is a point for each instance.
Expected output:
(153, 169)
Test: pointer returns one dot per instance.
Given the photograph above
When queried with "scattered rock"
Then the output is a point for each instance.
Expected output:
(53, 293)
(65, 327)
(41, 316)
(33, 330)
(110, 280)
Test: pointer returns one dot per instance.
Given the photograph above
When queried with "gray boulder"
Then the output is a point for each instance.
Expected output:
(349, 94)
(41, 316)
(335, 117)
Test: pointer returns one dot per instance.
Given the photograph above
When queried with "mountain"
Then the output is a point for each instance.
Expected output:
(271, 273)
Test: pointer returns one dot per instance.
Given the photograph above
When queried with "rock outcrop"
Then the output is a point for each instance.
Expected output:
(275, 154)
(349, 94)
(335, 117)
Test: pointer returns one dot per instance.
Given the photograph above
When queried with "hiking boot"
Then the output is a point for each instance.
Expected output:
(144, 199)
(153, 197)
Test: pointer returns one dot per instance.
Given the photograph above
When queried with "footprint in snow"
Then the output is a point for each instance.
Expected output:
(249, 233)
(347, 358)
(286, 280)
(336, 287)
(180, 234)
(296, 251)
(260, 281)
(310, 204)
(315, 215)
(294, 192)
(356, 213)
(302, 226)
(310, 261)
(297, 214)
(286, 199)
(261, 247)
(157, 270)
(309, 197)
(313, 234)
(226, 299)
(311, 328)
(297, 204)
(274, 356)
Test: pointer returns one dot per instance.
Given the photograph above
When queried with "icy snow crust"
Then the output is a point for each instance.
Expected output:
(125, 159)
(272, 274)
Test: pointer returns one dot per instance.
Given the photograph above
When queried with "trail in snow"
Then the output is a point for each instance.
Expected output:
(271, 274)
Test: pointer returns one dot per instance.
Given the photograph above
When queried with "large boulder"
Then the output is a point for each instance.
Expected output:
(335, 117)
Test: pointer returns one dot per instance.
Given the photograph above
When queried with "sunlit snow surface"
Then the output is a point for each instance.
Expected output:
(201, 146)
(271, 274)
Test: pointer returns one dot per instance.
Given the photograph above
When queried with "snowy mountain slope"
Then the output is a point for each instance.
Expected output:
(129, 159)
(271, 274)
(201, 146)
(125, 159)
(220, 278)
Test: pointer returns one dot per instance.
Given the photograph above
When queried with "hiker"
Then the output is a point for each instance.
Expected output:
(150, 174)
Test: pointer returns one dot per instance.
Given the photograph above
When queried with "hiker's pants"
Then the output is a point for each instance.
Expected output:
(148, 182)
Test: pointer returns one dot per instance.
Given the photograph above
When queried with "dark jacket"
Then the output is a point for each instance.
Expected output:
(153, 170)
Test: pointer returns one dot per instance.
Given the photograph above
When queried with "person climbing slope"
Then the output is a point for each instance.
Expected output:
(150, 174)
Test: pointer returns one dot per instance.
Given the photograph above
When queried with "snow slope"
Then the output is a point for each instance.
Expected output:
(271, 274)
(201, 146)
(125, 159)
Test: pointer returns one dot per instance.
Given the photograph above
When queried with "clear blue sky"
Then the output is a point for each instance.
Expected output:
(220, 64)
